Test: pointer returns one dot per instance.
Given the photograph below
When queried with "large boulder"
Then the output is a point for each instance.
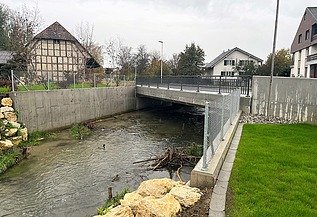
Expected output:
(10, 116)
(119, 211)
(6, 101)
(150, 206)
(5, 144)
(185, 195)
(131, 199)
(6, 109)
(156, 187)
(24, 133)
(16, 140)
(1, 115)
(11, 132)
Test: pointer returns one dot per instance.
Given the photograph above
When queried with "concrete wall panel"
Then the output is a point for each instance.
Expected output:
(47, 110)
(291, 98)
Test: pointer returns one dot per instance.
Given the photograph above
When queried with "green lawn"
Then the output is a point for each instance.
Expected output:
(275, 172)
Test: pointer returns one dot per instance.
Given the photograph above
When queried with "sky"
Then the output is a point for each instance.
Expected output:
(214, 25)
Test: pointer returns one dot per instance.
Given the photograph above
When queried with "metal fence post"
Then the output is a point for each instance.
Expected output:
(123, 80)
(12, 81)
(232, 98)
(48, 81)
(222, 114)
(248, 90)
(74, 79)
(204, 167)
(219, 85)
(94, 80)
(181, 86)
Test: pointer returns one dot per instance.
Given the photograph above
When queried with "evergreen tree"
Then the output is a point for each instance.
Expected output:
(191, 60)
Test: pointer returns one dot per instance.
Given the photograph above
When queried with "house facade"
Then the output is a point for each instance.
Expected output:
(304, 46)
(230, 62)
(54, 52)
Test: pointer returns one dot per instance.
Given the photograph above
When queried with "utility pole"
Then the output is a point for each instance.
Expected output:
(273, 58)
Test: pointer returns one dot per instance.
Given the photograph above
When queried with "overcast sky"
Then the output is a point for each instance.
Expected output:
(214, 25)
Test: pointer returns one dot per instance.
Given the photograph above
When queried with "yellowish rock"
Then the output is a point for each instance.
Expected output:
(166, 206)
(6, 109)
(11, 132)
(16, 140)
(185, 195)
(24, 133)
(1, 115)
(15, 124)
(6, 101)
(131, 199)
(10, 116)
(120, 211)
(6, 144)
(156, 187)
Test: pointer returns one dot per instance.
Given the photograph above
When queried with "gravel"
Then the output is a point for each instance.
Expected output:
(262, 119)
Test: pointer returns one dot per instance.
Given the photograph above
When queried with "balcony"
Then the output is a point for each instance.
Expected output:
(311, 58)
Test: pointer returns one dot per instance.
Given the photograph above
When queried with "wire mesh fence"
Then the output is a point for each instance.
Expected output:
(18, 82)
(219, 115)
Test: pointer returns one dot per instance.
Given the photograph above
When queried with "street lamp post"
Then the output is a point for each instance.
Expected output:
(161, 60)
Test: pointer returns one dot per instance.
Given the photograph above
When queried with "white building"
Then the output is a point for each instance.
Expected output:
(228, 63)
(304, 46)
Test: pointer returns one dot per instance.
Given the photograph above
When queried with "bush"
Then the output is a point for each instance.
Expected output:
(79, 131)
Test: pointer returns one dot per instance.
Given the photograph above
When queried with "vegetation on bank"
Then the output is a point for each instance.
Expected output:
(12, 156)
(275, 172)
(79, 131)
(112, 202)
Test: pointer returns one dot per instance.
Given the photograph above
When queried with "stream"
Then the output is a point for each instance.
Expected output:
(65, 177)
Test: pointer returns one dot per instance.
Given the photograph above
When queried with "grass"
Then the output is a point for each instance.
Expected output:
(79, 131)
(34, 138)
(113, 202)
(80, 85)
(5, 89)
(8, 158)
(275, 172)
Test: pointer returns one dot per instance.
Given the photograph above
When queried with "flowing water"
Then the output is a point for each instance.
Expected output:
(70, 178)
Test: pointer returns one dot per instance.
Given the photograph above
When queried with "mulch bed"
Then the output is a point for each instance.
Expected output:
(201, 208)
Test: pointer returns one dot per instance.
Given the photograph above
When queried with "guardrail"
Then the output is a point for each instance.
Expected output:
(311, 57)
(220, 84)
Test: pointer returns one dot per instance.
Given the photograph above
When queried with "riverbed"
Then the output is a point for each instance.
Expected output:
(65, 177)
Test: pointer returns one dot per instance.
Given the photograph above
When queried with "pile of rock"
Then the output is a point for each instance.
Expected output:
(156, 197)
(262, 119)
(12, 133)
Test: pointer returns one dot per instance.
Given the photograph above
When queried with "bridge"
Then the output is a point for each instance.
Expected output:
(220, 96)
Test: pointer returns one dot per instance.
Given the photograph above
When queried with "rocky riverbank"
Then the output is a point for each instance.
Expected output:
(12, 134)
(156, 197)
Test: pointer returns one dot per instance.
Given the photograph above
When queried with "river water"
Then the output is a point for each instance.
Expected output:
(69, 178)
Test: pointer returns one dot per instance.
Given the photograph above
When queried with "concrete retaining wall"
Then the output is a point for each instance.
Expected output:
(291, 98)
(47, 110)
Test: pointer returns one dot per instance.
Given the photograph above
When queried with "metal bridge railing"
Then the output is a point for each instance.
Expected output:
(220, 84)
(219, 115)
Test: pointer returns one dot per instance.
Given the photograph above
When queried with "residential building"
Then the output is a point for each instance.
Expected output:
(230, 62)
(55, 51)
(5, 56)
(304, 46)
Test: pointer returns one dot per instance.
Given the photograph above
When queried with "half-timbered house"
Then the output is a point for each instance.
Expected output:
(55, 51)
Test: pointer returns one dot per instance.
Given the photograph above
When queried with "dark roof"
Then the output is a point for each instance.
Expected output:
(5, 56)
(227, 53)
(55, 31)
(313, 11)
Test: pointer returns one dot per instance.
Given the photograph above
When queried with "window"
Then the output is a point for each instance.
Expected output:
(227, 73)
(244, 62)
(314, 29)
(307, 34)
(300, 38)
(229, 62)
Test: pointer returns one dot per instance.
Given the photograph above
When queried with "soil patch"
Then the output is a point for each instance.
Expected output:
(201, 208)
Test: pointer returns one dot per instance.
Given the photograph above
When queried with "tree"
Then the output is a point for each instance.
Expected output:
(4, 38)
(17, 29)
(142, 60)
(191, 60)
(85, 35)
(154, 69)
(173, 64)
(126, 61)
(282, 64)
